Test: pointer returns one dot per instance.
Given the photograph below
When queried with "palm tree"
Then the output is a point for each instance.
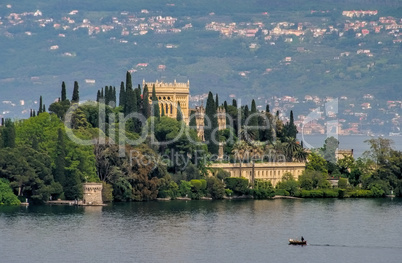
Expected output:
(246, 134)
(278, 149)
(300, 154)
(241, 151)
(291, 145)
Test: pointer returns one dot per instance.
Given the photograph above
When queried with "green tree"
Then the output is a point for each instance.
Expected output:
(8, 135)
(179, 116)
(239, 185)
(215, 187)
(63, 92)
(380, 150)
(193, 122)
(7, 197)
(288, 183)
(211, 125)
(145, 101)
(253, 122)
(107, 95)
(316, 163)
(40, 105)
(60, 162)
(76, 93)
(155, 104)
(163, 112)
(263, 189)
(129, 84)
(329, 149)
(185, 188)
(290, 128)
(122, 95)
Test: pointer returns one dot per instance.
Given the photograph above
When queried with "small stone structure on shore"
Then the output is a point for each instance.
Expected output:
(92, 194)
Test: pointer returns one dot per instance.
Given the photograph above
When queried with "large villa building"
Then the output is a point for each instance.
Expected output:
(170, 94)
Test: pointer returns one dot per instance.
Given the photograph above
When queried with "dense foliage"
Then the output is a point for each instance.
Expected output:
(50, 155)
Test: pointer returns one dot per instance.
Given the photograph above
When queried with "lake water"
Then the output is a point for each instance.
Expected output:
(350, 230)
(355, 142)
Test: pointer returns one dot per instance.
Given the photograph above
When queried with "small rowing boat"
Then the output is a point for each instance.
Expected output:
(297, 242)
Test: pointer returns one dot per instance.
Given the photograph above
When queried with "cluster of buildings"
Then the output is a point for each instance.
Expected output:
(345, 116)
(271, 32)
(126, 23)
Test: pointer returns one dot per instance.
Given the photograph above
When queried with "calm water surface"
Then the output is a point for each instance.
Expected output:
(351, 230)
(355, 142)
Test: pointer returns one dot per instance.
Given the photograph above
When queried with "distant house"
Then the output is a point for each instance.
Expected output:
(366, 106)
(368, 96)
(90, 81)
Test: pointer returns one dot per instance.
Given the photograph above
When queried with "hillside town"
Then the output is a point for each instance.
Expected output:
(363, 115)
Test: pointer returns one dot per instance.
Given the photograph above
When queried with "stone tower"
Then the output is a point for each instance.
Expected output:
(221, 115)
(92, 194)
(199, 119)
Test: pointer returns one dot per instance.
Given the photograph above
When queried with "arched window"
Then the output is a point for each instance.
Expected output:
(167, 109)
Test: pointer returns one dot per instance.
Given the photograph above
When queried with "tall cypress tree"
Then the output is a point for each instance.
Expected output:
(145, 100)
(267, 108)
(40, 105)
(122, 95)
(114, 99)
(216, 101)
(63, 91)
(155, 104)
(129, 83)
(179, 116)
(107, 96)
(98, 96)
(163, 111)
(139, 98)
(130, 101)
(44, 108)
(234, 103)
(254, 119)
(110, 94)
(291, 129)
(193, 121)
(210, 114)
(246, 113)
(267, 132)
(76, 93)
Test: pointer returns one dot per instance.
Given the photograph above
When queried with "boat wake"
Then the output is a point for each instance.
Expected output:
(353, 246)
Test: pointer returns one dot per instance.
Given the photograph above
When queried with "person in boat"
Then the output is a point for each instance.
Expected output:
(302, 239)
